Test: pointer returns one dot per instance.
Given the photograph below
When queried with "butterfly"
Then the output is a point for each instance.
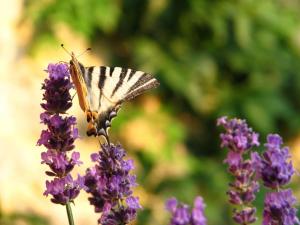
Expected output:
(101, 91)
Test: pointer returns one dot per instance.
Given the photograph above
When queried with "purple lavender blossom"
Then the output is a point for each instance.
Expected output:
(275, 168)
(59, 136)
(64, 190)
(278, 208)
(181, 214)
(197, 217)
(110, 184)
(240, 139)
(57, 95)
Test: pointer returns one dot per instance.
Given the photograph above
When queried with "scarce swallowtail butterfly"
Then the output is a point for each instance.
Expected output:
(101, 91)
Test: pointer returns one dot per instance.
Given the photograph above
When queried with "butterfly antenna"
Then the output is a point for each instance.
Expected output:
(62, 45)
(88, 49)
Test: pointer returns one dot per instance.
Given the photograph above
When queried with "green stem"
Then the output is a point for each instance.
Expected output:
(70, 215)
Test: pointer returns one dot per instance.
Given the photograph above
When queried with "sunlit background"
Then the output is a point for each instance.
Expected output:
(212, 58)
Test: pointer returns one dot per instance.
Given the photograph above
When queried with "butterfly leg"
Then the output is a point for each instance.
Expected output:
(73, 97)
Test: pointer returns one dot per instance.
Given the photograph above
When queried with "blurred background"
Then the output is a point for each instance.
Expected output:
(212, 58)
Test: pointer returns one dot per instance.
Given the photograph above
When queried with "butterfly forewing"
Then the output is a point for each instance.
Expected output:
(77, 70)
(103, 89)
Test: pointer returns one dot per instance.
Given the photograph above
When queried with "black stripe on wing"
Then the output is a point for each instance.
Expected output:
(120, 82)
(102, 77)
(111, 71)
(88, 76)
(82, 69)
(132, 72)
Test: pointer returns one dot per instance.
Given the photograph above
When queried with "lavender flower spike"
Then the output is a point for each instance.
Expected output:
(275, 169)
(275, 166)
(240, 139)
(59, 136)
(110, 184)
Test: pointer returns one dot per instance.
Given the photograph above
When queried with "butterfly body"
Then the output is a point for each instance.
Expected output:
(101, 91)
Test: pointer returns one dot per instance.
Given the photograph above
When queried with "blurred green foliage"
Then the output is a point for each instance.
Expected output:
(213, 58)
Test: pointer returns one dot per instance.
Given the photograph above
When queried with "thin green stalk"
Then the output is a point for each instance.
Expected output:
(70, 215)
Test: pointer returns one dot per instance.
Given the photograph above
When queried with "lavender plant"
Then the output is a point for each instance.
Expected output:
(274, 168)
(240, 139)
(59, 137)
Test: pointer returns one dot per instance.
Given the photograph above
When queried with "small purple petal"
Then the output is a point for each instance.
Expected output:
(198, 217)
(171, 205)
(222, 121)
(95, 157)
(133, 202)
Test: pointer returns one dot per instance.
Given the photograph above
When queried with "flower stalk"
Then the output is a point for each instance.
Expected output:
(69, 213)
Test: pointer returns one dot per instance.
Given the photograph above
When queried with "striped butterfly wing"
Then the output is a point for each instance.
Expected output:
(109, 87)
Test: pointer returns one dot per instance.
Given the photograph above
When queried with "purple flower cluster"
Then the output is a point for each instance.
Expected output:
(275, 169)
(239, 139)
(279, 208)
(110, 183)
(59, 136)
(181, 214)
(61, 194)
